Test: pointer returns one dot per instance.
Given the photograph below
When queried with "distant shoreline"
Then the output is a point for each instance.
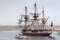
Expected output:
(19, 29)
(9, 29)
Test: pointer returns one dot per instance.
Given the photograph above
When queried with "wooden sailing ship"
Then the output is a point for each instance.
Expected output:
(34, 25)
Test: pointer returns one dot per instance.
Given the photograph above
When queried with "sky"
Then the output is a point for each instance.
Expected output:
(10, 10)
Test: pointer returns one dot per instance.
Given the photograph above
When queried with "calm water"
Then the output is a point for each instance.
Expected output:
(10, 35)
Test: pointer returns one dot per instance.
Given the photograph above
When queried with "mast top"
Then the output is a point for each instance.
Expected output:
(35, 8)
(35, 5)
(25, 10)
(25, 7)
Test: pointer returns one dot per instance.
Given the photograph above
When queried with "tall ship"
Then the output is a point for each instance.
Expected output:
(33, 24)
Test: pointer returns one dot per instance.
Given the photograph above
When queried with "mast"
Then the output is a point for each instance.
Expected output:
(35, 8)
(26, 18)
(25, 10)
(43, 20)
(35, 12)
(35, 16)
(43, 16)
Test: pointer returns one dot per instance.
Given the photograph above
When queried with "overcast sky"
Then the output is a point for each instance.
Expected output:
(10, 10)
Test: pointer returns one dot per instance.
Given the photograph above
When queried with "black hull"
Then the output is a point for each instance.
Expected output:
(43, 34)
(37, 32)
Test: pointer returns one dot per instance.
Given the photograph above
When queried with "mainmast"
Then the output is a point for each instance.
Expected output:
(25, 10)
(35, 8)
(43, 16)
(26, 16)
(35, 12)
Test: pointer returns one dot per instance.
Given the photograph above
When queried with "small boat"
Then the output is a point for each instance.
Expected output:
(20, 36)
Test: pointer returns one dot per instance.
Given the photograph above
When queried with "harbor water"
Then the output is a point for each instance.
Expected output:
(10, 35)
